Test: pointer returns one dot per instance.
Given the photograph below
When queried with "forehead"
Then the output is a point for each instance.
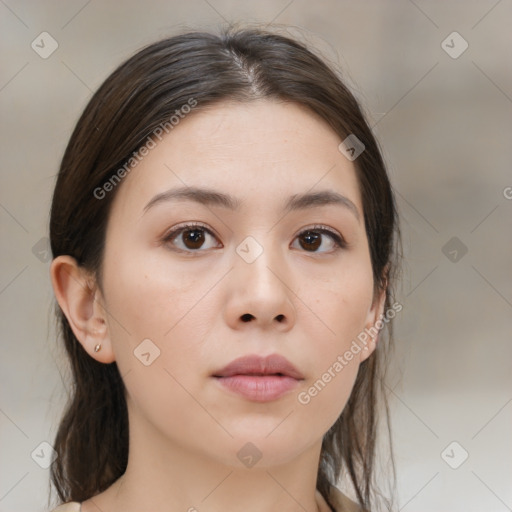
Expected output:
(260, 149)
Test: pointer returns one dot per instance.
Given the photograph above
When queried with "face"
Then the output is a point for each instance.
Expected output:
(192, 285)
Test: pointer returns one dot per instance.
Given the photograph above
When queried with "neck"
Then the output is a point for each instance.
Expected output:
(177, 477)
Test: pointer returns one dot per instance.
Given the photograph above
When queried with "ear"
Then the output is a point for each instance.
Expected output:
(80, 299)
(375, 313)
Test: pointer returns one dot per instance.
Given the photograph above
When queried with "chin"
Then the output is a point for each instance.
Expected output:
(257, 449)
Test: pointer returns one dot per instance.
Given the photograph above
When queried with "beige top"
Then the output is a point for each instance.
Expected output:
(341, 503)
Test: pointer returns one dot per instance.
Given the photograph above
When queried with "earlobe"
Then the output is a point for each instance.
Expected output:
(79, 298)
(373, 325)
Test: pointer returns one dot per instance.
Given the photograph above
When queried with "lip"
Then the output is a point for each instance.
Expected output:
(260, 379)
(258, 388)
(272, 364)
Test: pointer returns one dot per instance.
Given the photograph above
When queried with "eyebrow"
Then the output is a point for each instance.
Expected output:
(212, 197)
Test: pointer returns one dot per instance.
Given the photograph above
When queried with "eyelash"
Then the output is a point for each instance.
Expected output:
(317, 228)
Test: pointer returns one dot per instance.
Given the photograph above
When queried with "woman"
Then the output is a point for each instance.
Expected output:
(223, 232)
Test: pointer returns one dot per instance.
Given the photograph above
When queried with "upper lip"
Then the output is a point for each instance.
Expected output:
(258, 365)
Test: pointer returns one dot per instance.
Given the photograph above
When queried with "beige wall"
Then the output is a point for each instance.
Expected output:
(446, 128)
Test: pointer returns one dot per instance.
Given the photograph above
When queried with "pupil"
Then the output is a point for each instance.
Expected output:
(197, 240)
(312, 238)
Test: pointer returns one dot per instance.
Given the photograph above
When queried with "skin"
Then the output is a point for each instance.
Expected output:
(185, 429)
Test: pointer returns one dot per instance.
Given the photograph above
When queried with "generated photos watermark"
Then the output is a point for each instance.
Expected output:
(143, 151)
(304, 397)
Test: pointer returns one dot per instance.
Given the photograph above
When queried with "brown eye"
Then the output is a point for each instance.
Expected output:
(312, 239)
(193, 238)
(189, 238)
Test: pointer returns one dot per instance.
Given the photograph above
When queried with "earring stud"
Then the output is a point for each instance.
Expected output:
(97, 348)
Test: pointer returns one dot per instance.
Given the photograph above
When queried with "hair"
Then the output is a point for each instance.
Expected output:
(138, 97)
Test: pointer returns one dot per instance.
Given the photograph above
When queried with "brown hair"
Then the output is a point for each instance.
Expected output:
(140, 95)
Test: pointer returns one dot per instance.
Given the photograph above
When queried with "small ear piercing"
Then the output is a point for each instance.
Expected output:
(97, 348)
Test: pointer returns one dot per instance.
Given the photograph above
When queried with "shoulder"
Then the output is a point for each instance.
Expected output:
(72, 506)
(343, 503)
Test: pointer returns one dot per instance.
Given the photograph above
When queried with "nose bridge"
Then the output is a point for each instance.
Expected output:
(260, 261)
(260, 279)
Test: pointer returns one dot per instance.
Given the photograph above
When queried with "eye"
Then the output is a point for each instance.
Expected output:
(312, 238)
(191, 237)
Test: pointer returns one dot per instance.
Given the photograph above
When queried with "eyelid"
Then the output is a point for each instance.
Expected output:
(188, 224)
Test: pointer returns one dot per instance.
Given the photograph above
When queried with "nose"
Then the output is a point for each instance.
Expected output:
(260, 293)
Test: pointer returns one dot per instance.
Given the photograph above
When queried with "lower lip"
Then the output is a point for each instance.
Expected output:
(259, 388)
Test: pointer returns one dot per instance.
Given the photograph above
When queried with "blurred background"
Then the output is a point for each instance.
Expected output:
(435, 78)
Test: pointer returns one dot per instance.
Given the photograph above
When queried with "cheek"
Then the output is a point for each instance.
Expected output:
(157, 342)
(336, 364)
(342, 305)
(150, 296)
(153, 309)
(324, 398)
(161, 400)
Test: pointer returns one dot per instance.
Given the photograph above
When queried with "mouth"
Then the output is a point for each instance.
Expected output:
(259, 379)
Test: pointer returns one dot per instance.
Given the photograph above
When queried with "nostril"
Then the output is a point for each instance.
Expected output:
(247, 317)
